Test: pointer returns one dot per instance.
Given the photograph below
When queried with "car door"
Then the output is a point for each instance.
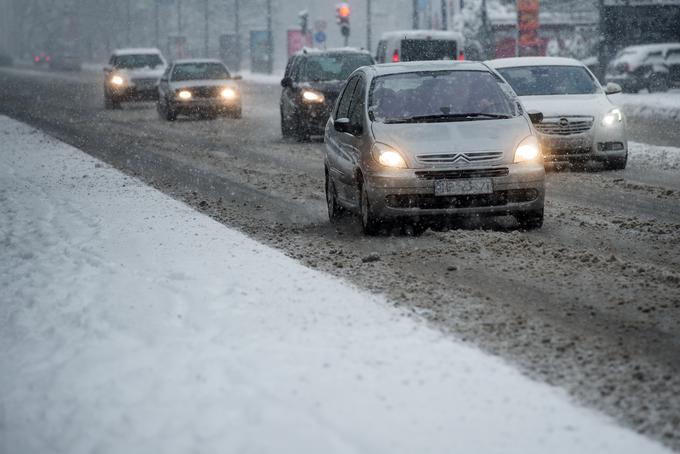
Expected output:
(289, 95)
(348, 144)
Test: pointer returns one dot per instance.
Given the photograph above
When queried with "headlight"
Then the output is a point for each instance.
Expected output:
(184, 94)
(613, 117)
(388, 157)
(528, 150)
(117, 80)
(228, 93)
(312, 96)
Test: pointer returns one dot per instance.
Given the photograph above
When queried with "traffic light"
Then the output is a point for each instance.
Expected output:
(343, 14)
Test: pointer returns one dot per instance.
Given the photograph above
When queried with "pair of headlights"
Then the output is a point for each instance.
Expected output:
(528, 150)
(227, 93)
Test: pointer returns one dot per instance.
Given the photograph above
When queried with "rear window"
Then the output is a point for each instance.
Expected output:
(137, 61)
(430, 49)
(200, 71)
(549, 80)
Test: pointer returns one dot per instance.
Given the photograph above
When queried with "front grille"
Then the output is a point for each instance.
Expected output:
(460, 158)
(461, 173)
(431, 202)
(206, 92)
(565, 126)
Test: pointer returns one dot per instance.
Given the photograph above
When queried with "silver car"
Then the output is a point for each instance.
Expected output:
(580, 122)
(418, 142)
(199, 86)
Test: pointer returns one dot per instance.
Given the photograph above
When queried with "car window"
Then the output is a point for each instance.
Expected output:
(400, 97)
(654, 57)
(295, 70)
(346, 98)
(327, 67)
(673, 54)
(550, 80)
(358, 104)
(200, 71)
(137, 61)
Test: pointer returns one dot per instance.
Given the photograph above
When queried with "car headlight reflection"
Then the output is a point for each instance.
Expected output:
(388, 157)
(117, 80)
(528, 149)
(228, 93)
(312, 96)
(184, 94)
(613, 117)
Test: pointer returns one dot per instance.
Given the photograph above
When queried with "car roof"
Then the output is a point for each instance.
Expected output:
(650, 47)
(332, 51)
(518, 62)
(425, 66)
(137, 51)
(186, 61)
(421, 34)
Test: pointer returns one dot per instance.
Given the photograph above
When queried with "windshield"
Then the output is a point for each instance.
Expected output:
(550, 80)
(137, 61)
(439, 96)
(200, 71)
(333, 67)
(431, 49)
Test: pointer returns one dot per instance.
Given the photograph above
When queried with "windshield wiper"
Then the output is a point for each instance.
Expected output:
(447, 117)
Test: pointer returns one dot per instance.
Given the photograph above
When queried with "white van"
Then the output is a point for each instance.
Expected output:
(420, 45)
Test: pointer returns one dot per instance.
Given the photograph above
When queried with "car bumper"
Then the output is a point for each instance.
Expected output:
(411, 193)
(599, 144)
(207, 105)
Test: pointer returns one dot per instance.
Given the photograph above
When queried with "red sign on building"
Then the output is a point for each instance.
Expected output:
(528, 25)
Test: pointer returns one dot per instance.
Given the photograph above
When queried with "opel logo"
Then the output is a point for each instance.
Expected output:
(564, 122)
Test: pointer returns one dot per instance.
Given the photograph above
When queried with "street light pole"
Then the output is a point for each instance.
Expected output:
(206, 29)
(445, 16)
(127, 22)
(237, 32)
(157, 33)
(270, 40)
(369, 30)
(415, 15)
(179, 17)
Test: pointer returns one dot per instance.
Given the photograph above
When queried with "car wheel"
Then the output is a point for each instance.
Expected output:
(170, 113)
(530, 220)
(301, 131)
(237, 113)
(616, 163)
(286, 130)
(369, 222)
(111, 103)
(657, 83)
(335, 211)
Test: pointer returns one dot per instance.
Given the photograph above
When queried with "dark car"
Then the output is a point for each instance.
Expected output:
(204, 87)
(311, 85)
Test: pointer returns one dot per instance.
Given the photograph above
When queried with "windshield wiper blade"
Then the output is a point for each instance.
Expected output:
(447, 117)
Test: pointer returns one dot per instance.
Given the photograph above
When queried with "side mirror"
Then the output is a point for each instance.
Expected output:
(342, 125)
(612, 89)
(237, 77)
(535, 117)
(107, 69)
(286, 82)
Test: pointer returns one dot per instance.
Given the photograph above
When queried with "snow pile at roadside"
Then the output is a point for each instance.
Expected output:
(650, 105)
(131, 324)
(662, 158)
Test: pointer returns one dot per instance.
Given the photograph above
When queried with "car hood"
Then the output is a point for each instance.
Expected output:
(593, 105)
(202, 83)
(142, 73)
(414, 139)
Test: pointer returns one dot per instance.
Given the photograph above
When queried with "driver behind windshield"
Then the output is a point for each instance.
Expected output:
(137, 61)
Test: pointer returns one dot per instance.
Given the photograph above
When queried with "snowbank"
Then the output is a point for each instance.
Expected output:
(131, 324)
(655, 157)
(651, 105)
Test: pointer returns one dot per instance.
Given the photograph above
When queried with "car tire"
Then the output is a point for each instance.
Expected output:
(370, 224)
(286, 130)
(110, 103)
(237, 113)
(335, 211)
(300, 130)
(657, 83)
(530, 220)
(169, 113)
(616, 163)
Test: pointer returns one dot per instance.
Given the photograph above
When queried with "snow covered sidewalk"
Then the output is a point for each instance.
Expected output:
(130, 323)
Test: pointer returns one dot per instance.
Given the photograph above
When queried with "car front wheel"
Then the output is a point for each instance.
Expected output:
(369, 222)
(335, 211)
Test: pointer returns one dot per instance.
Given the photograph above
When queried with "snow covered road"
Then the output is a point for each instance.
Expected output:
(131, 323)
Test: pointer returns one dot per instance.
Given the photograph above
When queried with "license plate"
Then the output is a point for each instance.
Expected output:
(463, 187)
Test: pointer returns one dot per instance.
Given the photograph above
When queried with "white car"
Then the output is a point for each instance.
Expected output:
(580, 121)
(132, 75)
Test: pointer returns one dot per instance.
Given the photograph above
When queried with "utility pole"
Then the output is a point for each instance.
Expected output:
(445, 16)
(206, 30)
(179, 17)
(237, 32)
(157, 32)
(127, 22)
(270, 39)
(369, 31)
(416, 20)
